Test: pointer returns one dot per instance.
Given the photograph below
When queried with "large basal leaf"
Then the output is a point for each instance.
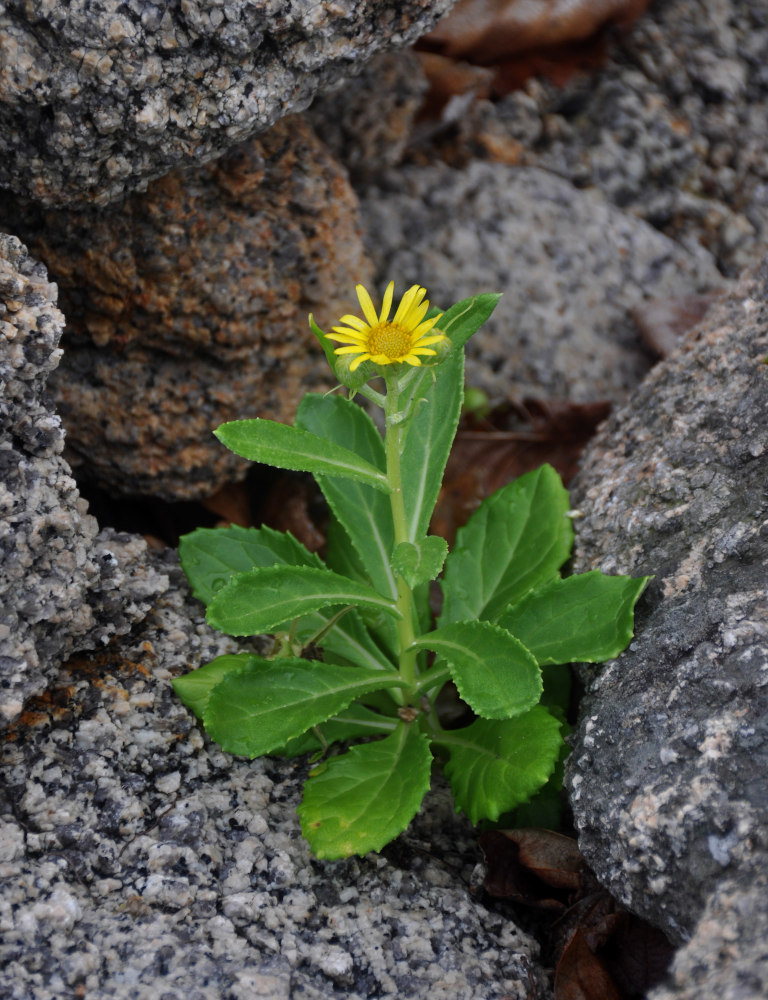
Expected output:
(361, 800)
(494, 673)
(497, 765)
(269, 702)
(195, 688)
(587, 618)
(363, 512)
(262, 600)
(351, 724)
(516, 540)
(211, 556)
(292, 448)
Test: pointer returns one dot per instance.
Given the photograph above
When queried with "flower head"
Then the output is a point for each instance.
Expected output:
(406, 337)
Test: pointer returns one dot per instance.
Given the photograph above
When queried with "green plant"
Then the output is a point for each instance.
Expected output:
(508, 618)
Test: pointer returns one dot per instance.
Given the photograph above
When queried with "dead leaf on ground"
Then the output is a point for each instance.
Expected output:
(664, 322)
(580, 974)
(514, 439)
(231, 503)
(521, 39)
(485, 31)
(601, 952)
(287, 508)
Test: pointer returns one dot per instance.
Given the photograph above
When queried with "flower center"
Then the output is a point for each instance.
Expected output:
(390, 339)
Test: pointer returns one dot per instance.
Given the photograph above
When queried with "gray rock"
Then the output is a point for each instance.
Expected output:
(570, 265)
(64, 585)
(726, 957)
(98, 99)
(671, 128)
(367, 122)
(141, 862)
(669, 774)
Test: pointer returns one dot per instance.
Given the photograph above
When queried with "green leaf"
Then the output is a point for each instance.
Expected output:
(361, 800)
(497, 765)
(350, 724)
(516, 540)
(434, 397)
(195, 688)
(291, 448)
(420, 562)
(364, 513)
(339, 365)
(263, 599)
(495, 674)
(211, 556)
(587, 618)
(465, 318)
(269, 702)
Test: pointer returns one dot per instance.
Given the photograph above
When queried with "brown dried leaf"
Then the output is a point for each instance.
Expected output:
(552, 857)
(232, 504)
(580, 975)
(508, 877)
(486, 31)
(490, 454)
(664, 322)
(287, 508)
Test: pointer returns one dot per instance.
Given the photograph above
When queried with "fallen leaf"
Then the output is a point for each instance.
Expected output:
(664, 322)
(601, 951)
(580, 975)
(485, 31)
(231, 503)
(287, 506)
(515, 438)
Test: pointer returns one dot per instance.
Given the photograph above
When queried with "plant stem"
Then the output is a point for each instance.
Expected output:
(393, 441)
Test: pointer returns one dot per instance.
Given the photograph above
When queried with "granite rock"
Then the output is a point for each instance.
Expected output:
(187, 306)
(139, 861)
(669, 773)
(670, 128)
(570, 265)
(64, 585)
(367, 122)
(98, 99)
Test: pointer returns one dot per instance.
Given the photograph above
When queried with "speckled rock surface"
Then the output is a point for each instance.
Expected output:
(98, 99)
(367, 121)
(187, 306)
(727, 957)
(63, 585)
(140, 862)
(672, 128)
(669, 774)
(570, 265)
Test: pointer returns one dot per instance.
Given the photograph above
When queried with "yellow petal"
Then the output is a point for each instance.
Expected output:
(411, 359)
(347, 338)
(358, 361)
(405, 304)
(386, 304)
(422, 350)
(353, 349)
(354, 321)
(436, 338)
(425, 327)
(366, 305)
(416, 314)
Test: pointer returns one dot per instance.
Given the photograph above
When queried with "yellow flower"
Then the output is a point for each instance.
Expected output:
(405, 337)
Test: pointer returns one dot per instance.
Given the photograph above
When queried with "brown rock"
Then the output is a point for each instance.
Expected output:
(187, 306)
